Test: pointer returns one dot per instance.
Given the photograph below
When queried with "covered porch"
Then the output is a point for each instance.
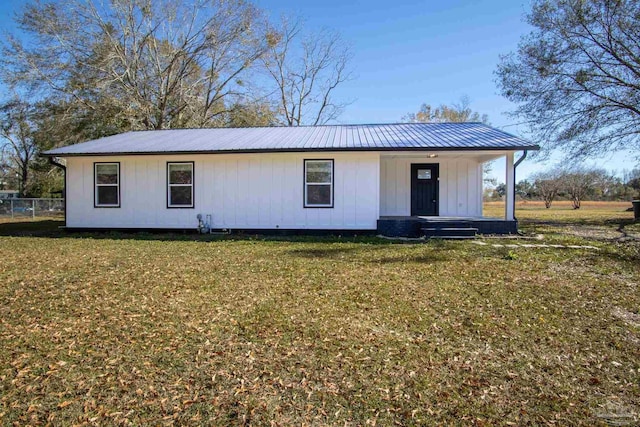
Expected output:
(440, 194)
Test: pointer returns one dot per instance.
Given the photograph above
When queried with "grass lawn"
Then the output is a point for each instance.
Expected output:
(177, 329)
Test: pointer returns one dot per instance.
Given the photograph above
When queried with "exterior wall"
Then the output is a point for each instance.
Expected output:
(460, 186)
(240, 191)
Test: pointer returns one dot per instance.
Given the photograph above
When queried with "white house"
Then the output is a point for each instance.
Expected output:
(393, 178)
(9, 194)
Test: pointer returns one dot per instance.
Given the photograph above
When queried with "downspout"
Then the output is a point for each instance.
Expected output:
(54, 162)
(515, 165)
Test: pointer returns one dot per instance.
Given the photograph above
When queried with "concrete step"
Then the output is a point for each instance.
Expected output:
(450, 237)
(449, 232)
(447, 224)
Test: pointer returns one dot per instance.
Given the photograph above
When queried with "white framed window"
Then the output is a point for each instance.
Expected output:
(180, 185)
(106, 177)
(318, 183)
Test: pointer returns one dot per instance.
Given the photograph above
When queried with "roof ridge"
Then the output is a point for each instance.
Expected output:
(313, 126)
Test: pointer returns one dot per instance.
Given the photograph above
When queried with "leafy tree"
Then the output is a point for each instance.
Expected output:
(605, 185)
(576, 77)
(525, 189)
(456, 112)
(252, 114)
(24, 132)
(501, 190)
(633, 181)
(306, 70)
(17, 133)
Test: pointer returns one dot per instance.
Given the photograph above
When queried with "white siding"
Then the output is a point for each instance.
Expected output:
(460, 186)
(239, 190)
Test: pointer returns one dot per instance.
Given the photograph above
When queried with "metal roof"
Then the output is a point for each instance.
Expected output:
(381, 137)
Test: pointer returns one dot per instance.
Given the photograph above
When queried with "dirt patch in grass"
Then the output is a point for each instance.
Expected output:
(633, 319)
(146, 329)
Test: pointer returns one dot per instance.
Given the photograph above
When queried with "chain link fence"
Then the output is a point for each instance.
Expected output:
(20, 209)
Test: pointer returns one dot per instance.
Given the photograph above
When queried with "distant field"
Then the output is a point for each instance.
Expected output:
(563, 211)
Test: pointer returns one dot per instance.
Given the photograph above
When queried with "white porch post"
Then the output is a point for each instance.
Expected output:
(509, 205)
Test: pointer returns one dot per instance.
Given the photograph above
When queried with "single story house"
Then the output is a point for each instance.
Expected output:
(9, 194)
(394, 179)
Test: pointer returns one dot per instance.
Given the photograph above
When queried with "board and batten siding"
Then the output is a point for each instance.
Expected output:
(460, 186)
(240, 191)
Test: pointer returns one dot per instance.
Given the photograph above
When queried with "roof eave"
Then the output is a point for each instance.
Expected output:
(290, 150)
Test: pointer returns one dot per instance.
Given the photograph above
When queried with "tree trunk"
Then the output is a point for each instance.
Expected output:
(576, 203)
(24, 178)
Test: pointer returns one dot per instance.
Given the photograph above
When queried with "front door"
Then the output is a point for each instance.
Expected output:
(424, 189)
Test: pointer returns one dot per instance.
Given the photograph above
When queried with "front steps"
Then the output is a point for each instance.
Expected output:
(441, 227)
(450, 233)
(448, 229)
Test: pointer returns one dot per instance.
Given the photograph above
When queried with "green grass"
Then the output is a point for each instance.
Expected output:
(160, 329)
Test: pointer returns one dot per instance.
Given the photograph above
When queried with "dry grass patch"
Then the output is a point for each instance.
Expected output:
(594, 220)
(562, 211)
(144, 329)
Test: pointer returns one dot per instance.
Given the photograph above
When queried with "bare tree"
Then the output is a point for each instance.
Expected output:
(548, 185)
(160, 64)
(576, 76)
(457, 112)
(577, 183)
(306, 70)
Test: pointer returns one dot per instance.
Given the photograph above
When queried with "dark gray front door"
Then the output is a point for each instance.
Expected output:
(424, 189)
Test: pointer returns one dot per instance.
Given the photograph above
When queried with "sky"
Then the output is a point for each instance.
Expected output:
(407, 53)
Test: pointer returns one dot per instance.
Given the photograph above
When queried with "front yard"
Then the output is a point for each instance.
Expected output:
(157, 329)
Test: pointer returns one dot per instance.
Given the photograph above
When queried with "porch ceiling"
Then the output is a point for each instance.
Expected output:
(441, 218)
(482, 156)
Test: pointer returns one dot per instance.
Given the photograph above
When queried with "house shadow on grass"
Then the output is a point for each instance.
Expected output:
(44, 228)
(55, 229)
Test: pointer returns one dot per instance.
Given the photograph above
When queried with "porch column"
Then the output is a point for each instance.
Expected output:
(509, 204)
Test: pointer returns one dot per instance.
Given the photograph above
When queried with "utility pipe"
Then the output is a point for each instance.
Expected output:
(515, 165)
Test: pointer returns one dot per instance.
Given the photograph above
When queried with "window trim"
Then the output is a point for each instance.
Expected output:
(96, 185)
(192, 185)
(331, 184)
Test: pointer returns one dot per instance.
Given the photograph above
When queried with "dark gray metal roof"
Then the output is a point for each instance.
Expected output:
(383, 137)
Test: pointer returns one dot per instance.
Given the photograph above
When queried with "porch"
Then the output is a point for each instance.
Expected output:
(449, 227)
(440, 194)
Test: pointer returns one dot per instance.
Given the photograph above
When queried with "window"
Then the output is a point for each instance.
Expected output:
(424, 173)
(107, 185)
(318, 183)
(180, 185)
